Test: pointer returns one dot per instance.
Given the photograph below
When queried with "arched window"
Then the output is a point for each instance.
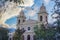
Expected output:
(18, 21)
(41, 18)
(28, 37)
(46, 18)
(23, 20)
(28, 28)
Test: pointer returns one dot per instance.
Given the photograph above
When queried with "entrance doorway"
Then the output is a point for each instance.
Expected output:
(28, 37)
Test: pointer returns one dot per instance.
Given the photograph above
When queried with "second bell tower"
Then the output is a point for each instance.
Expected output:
(43, 15)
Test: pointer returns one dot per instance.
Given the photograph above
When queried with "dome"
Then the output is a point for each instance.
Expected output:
(21, 13)
(42, 8)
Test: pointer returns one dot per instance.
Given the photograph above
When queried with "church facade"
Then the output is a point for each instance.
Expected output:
(29, 24)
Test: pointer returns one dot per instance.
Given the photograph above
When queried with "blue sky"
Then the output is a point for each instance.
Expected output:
(36, 6)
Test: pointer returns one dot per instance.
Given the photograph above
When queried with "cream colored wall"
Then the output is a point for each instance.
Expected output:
(44, 17)
(26, 25)
(28, 32)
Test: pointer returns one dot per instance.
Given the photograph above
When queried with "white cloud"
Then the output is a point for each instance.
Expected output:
(46, 1)
(28, 3)
(51, 18)
(12, 10)
(33, 12)
(12, 26)
(4, 25)
(55, 15)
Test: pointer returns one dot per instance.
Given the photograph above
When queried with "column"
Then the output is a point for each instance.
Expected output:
(25, 37)
(31, 37)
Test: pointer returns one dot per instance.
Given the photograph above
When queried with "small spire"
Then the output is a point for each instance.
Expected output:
(42, 7)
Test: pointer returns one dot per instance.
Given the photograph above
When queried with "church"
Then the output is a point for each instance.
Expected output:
(29, 24)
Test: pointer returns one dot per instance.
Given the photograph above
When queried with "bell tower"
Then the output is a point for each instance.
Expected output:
(43, 15)
(21, 18)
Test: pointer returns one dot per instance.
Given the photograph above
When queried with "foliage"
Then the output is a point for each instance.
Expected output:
(51, 32)
(18, 34)
(57, 11)
(43, 33)
(40, 32)
(58, 26)
(16, 1)
(3, 34)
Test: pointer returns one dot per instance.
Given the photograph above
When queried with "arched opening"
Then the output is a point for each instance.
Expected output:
(28, 37)
(18, 21)
(10, 38)
(23, 20)
(41, 18)
(46, 18)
